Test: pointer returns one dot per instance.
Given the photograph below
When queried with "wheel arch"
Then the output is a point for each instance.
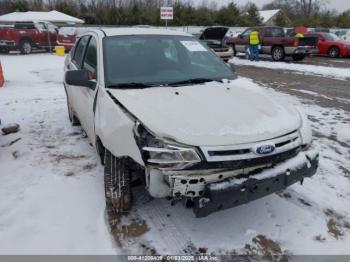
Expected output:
(277, 45)
(332, 46)
(25, 38)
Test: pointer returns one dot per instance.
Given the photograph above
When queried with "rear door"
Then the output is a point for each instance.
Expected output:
(42, 35)
(272, 36)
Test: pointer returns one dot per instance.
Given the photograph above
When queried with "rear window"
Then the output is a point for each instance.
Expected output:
(24, 25)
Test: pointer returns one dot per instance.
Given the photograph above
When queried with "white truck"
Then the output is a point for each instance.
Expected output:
(162, 109)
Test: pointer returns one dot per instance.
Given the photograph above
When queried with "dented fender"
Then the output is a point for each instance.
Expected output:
(114, 127)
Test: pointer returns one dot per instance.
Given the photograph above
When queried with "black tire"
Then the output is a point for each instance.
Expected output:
(298, 57)
(4, 50)
(334, 52)
(117, 178)
(278, 53)
(72, 118)
(25, 47)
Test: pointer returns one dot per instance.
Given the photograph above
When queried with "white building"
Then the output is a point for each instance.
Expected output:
(54, 17)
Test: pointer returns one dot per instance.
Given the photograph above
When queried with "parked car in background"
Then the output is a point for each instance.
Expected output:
(67, 36)
(343, 34)
(319, 30)
(26, 36)
(180, 122)
(274, 42)
(331, 45)
(215, 38)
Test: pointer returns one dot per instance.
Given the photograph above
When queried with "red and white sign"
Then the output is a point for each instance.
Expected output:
(166, 13)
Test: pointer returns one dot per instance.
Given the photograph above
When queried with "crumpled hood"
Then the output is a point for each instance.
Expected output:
(211, 114)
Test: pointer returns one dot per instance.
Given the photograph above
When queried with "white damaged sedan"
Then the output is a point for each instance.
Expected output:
(165, 112)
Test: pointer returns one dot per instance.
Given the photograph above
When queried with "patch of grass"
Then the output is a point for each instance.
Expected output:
(123, 231)
(271, 250)
(333, 229)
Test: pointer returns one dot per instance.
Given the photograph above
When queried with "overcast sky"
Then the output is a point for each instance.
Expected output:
(340, 5)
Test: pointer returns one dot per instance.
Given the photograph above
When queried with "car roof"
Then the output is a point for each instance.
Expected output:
(140, 31)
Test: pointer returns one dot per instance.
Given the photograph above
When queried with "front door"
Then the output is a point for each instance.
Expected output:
(85, 103)
(243, 41)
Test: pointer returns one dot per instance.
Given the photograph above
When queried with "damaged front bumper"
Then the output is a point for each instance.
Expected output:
(234, 192)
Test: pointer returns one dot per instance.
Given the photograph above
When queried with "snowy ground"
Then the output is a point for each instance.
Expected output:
(52, 200)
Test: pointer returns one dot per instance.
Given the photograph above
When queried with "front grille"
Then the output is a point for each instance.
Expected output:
(285, 142)
(221, 49)
(249, 151)
(229, 152)
(247, 163)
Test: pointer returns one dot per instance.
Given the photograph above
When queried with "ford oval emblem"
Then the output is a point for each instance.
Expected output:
(265, 149)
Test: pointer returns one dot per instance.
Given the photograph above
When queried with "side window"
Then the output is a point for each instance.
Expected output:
(79, 51)
(41, 27)
(90, 60)
(279, 32)
(268, 32)
(247, 32)
(274, 32)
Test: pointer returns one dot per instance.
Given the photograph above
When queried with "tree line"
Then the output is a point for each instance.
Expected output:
(311, 13)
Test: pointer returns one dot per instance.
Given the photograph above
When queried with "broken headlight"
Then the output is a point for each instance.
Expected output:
(164, 154)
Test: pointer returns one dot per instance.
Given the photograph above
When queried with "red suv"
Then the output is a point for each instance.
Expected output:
(331, 45)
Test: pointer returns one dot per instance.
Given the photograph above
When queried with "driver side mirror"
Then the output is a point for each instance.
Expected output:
(80, 78)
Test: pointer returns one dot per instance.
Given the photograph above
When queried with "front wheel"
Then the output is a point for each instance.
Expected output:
(334, 52)
(298, 57)
(278, 53)
(4, 50)
(117, 178)
(25, 47)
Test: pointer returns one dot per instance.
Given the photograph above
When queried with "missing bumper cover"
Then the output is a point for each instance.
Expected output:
(234, 195)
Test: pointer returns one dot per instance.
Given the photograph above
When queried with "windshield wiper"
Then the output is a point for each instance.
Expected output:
(193, 81)
(130, 85)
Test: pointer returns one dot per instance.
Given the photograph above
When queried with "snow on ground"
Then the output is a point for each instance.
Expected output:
(331, 72)
(49, 202)
(52, 199)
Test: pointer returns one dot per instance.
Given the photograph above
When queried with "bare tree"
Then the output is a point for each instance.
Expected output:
(311, 7)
